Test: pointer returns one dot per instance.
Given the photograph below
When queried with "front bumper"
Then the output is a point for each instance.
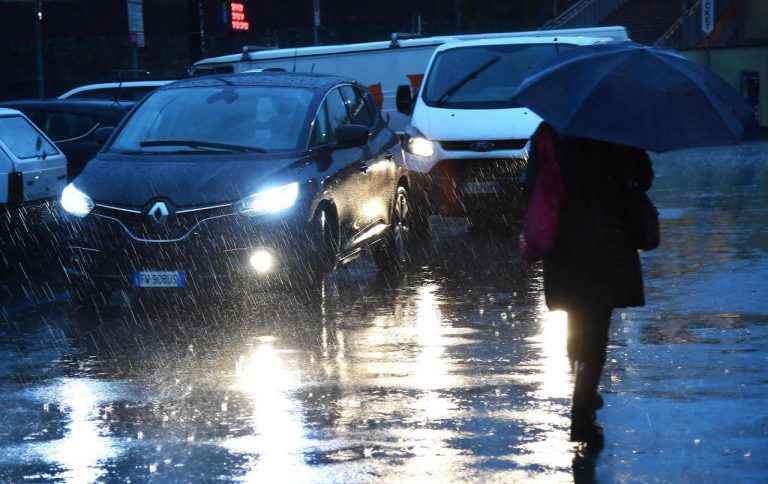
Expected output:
(454, 182)
(109, 248)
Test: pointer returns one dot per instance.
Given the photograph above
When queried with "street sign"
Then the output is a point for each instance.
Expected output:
(707, 16)
(136, 23)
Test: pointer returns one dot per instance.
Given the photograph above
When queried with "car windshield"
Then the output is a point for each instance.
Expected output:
(217, 118)
(483, 77)
(23, 139)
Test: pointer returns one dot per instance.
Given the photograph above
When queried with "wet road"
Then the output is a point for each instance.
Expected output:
(456, 373)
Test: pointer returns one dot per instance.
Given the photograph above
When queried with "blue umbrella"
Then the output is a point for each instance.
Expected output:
(635, 95)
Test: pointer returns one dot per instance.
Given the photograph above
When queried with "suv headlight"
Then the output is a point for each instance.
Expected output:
(417, 144)
(76, 202)
(269, 201)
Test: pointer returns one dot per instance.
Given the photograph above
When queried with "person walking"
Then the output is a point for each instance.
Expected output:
(594, 266)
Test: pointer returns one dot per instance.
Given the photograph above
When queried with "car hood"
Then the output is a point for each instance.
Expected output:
(444, 124)
(184, 180)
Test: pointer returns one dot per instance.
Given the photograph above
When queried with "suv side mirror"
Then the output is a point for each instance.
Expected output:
(101, 135)
(404, 99)
(349, 135)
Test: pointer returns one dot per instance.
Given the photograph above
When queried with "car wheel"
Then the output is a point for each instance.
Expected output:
(326, 245)
(391, 255)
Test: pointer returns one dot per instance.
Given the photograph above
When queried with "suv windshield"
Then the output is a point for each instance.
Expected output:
(23, 139)
(216, 118)
(483, 77)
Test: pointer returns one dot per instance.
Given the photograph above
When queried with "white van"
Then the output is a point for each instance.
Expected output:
(467, 141)
(380, 66)
(32, 168)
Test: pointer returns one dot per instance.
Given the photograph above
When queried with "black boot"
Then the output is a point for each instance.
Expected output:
(585, 401)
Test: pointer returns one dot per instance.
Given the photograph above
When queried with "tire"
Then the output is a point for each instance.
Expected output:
(391, 255)
(326, 245)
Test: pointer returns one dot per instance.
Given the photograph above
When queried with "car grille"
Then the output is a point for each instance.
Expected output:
(480, 168)
(177, 225)
(497, 144)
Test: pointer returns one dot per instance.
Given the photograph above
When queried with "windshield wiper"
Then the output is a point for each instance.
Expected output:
(464, 80)
(202, 145)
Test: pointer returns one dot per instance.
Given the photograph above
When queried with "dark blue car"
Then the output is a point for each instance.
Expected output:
(263, 176)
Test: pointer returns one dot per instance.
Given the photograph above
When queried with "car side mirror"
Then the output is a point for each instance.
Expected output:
(101, 135)
(349, 135)
(404, 99)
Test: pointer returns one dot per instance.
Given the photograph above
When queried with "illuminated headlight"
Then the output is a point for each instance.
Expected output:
(76, 202)
(416, 143)
(269, 201)
(262, 261)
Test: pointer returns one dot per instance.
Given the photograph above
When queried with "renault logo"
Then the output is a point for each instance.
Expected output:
(158, 213)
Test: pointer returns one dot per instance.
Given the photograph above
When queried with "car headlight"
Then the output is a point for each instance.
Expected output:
(76, 202)
(269, 201)
(417, 144)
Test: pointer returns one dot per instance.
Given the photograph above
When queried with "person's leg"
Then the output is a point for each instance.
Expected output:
(587, 343)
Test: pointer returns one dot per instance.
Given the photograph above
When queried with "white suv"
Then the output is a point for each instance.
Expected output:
(121, 91)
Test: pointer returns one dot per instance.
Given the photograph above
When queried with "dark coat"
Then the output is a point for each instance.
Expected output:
(593, 263)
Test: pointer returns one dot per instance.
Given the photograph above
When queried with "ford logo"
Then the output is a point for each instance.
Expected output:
(482, 146)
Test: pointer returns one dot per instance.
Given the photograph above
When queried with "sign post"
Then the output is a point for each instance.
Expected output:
(707, 21)
(135, 30)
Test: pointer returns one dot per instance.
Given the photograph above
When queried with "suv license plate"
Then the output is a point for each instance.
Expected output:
(473, 187)
(158, 279)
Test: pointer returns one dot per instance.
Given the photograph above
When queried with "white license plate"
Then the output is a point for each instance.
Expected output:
(158, 279)
(472, 187)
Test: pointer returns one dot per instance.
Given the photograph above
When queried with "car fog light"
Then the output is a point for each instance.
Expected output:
(262, 261)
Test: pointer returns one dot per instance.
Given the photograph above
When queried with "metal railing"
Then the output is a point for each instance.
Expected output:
(586, 13)
(686, 32)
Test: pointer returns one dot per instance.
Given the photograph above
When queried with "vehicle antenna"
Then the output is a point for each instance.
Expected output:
(295, 54)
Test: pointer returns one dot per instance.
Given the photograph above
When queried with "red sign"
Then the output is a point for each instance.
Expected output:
(237, 18)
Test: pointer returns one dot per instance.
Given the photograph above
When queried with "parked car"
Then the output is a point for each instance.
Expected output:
(32, 173)
(72, 124)
(263, 177)
(116, 91)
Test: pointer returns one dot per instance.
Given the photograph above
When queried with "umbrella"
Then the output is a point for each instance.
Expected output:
(635, 95)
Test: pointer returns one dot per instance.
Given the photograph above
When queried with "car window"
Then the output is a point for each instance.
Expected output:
(359, 109)
(332, 114)
(23, 139)
(63, 126)
(271, 118)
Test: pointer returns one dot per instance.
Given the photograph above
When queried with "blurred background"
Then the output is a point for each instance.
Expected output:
(50, 46)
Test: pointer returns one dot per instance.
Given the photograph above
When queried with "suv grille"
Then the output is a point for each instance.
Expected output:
(498, 144)
(481, 168)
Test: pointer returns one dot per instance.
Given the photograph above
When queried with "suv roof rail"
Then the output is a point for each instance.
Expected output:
(398, 36)
(247, 49)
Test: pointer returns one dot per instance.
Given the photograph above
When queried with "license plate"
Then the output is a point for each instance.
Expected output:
(473, 187)
(158, 279)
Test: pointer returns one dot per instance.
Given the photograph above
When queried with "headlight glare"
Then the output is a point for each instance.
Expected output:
(269, 201)
(417, 144)
(76, 202)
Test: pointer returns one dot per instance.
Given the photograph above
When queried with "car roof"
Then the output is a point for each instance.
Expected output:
(9, 112)
(319, 82)
(77, 106)
(538, 39)
(110, 85)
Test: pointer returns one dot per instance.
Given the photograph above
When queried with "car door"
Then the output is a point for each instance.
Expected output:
(379, 154)
(347, 174)
(73, 133)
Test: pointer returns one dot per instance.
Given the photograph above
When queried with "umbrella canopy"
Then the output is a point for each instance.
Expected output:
(635, 95)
